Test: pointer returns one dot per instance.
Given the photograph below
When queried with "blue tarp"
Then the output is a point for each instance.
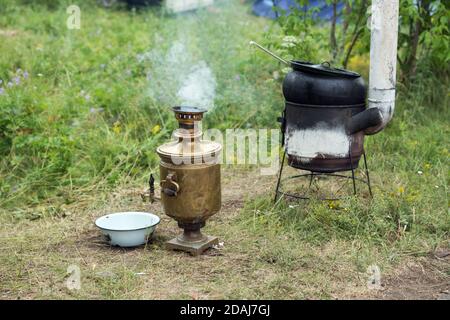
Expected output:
(264, 8)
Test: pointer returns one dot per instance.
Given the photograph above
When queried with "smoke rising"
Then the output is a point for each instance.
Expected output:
(177, 78)
(199, 87)
(202, 58)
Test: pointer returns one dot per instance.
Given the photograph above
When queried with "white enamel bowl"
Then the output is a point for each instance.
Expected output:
(128, 229)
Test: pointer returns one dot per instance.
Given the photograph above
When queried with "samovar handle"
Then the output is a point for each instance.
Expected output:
(171, 180)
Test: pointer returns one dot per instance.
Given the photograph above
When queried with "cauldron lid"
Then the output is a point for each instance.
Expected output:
(324, 68)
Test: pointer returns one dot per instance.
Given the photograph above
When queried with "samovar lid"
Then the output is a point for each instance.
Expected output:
(188, 145)
(199, 151)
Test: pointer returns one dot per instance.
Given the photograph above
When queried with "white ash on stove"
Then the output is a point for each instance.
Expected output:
(318, 141)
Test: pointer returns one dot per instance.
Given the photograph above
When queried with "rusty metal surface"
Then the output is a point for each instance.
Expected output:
(323, 165)
(199, 195)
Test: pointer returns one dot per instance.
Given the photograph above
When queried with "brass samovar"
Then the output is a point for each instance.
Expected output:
(190, 181)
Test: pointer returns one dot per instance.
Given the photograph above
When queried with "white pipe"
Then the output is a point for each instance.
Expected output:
(383, 60)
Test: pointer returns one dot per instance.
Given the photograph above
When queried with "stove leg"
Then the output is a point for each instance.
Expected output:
(367, 174)
(311, 179)
(353, 171)
(279, 178)
(354, 181)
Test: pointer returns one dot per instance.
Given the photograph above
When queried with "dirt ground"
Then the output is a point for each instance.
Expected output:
(35, 256)
(424, 278)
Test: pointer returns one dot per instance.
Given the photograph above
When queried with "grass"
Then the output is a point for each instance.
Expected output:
(78, 138)
(98, 86)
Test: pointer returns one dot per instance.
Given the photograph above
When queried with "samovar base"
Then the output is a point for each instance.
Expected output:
(194, 248)
(192, 240)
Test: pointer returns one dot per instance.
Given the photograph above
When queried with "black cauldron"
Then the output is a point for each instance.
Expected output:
(325, 117)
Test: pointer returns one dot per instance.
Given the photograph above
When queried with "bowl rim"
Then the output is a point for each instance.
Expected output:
(125, 212)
